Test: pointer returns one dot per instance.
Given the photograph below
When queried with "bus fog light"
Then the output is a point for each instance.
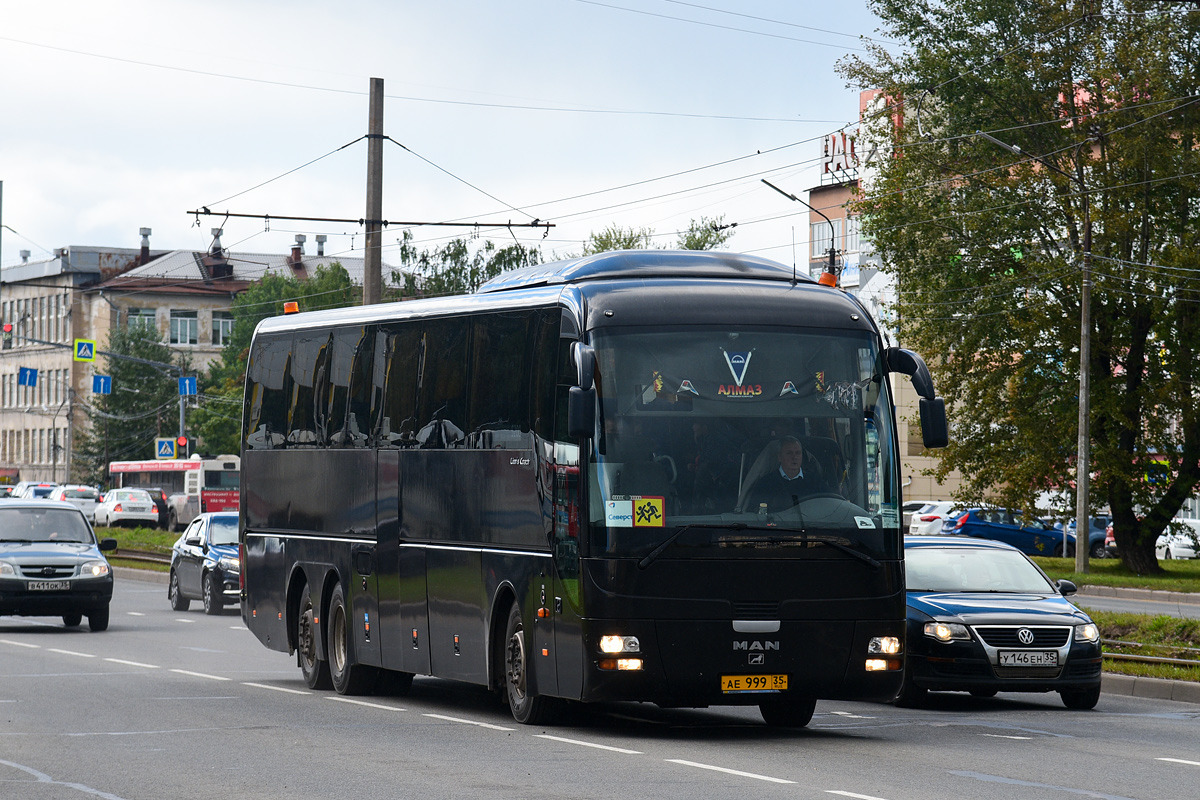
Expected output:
(876, 664)
(885, 645)
(620, 644)
(629, 663)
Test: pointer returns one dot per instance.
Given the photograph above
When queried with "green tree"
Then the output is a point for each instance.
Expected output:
(986, 244)
(217, 423)
(614, 237)
(701, 234)
(143, 405)
(706, 234)
(456, 268)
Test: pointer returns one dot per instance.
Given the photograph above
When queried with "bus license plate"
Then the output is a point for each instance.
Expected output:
(49, 586)
(1029, 658)
(754, 683)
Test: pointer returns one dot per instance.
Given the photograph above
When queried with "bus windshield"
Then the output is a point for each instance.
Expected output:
(771, 441)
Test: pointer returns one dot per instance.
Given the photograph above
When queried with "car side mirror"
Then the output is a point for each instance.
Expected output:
(108, 544)
(1066, 587)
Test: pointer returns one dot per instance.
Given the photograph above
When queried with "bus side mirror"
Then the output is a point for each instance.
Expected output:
(581, 412)
(934, 432)
(585, 365)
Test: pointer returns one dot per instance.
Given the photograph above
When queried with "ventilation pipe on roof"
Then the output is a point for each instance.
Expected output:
(144, 256)
(300, 240)
(321, 244)
(215, 263)
(24, 256)
(296, 259)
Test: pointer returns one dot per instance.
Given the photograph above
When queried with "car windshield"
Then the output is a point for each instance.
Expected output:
(766, 436)
(43, 525)
(223, 530)
(971, 569)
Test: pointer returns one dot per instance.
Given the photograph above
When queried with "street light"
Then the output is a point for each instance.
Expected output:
(829, 275)
(1083, 466)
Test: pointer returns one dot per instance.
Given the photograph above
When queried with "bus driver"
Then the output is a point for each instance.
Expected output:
(786, 486)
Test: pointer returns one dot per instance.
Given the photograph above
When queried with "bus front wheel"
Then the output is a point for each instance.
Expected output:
(316, 670)
(347, 676)
(792, 712)
(527, 708)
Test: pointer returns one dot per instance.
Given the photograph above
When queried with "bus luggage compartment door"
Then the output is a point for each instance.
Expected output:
(364, 605)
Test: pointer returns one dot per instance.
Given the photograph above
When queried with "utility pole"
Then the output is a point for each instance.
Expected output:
(373, 257)
(1083, 469)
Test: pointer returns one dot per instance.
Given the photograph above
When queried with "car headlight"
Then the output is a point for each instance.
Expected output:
(1087, 633)
(7, 569)
(93, 569)
(229, 564)
(946, 631)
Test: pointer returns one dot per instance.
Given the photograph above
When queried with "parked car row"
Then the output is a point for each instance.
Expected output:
(1169, 545)
(90, 501)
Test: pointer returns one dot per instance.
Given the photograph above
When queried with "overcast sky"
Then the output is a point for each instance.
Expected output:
(117, 116)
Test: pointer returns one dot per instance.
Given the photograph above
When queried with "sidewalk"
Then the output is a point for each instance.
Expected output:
(1141, 594)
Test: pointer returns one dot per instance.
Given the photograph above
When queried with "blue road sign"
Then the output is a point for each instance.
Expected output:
(187, 386)
(164, 448)
(102, 384)
(26, 376)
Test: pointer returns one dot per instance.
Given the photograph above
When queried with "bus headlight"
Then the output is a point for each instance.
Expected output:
(884, 645)
(93, 569)
(620, 644)
(947, 631)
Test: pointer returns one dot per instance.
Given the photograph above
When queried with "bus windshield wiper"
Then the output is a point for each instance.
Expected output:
(653, 554)
(806, 538)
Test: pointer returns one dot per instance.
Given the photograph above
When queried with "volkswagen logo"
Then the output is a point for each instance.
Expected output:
(1025, 636)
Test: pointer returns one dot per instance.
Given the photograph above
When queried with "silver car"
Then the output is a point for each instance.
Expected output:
(85, 498)
(127, 507)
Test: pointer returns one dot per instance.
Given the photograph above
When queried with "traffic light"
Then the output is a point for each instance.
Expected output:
(8, 328)
(181, 447)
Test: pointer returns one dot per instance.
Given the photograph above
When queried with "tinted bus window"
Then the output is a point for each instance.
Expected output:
(352, 427)
(268, 395)
(501, 364)
(398, 355)
(310, 357)
(441, 384)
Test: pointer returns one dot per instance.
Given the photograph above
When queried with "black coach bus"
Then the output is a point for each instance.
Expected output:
(553, 488)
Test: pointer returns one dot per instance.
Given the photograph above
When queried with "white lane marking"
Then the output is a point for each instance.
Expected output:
(135, 613)
(238, 628)
(273, 688)
(469, 722)
(21, 644)
(848, 715)
(852, 794)
(188, 621)
(70, 652)
(131, 663)
(1002, 736)
(200, 675)
(1180, 761)
(589, 744)
(41, 777)
(365, 703)
(727, 771)
(980, 776)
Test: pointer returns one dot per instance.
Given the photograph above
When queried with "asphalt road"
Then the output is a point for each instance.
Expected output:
(1136, 606)
(184, 705)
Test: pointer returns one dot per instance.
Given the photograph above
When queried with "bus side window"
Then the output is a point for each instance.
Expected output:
(441, 384)
(357, 420)
(269, 389)
(310, 357)
(499, 395)
(397, 361)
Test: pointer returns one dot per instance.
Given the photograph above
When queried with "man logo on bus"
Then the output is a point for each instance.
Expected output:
(648, 512)
(738, 362)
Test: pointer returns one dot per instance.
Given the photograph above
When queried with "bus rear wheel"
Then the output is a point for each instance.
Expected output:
(527, 708)
(347, 676)
(315, 670)
(792, 712)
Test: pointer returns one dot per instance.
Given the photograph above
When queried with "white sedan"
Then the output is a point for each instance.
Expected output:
(1180, 545)
(127, 507)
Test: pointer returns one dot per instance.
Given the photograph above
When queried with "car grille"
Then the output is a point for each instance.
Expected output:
(1027, 672)
(1006, 636)
(756, 610)
(47, 570)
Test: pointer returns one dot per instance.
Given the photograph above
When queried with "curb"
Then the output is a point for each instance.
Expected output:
(141, 575)
(1186, 598)
(1155, 688)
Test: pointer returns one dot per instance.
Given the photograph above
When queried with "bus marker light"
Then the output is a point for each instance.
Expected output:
(543, 613)
(291, 307)
(545, 651)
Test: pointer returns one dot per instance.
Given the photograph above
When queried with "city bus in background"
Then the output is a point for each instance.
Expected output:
(192, 485)
(548, 488)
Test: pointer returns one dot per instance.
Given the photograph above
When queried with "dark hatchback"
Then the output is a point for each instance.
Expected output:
(983, 618)
(205, 564)
(51, 564)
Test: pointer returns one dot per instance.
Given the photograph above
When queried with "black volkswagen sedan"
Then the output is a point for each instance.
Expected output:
(983, 618)
(205, 564)
(51, 564)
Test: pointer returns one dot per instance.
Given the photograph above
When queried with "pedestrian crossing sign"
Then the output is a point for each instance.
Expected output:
(164, 448)
(85, 350)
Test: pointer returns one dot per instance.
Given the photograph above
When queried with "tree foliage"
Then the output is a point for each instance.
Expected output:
(455, 268)
(987, 245)
(143, 405)
(701, 234)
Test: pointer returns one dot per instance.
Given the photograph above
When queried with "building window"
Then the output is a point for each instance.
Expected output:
(185, 328)
(820, 238)
(141, 318)
(852, 244)
(222, 327)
